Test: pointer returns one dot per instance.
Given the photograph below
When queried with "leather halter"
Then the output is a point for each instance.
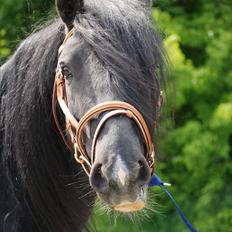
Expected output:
(75, 127)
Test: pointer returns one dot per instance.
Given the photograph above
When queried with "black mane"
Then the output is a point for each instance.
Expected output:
(38, 164)
(35, 166)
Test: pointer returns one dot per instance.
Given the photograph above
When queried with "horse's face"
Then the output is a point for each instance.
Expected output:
(120, 172)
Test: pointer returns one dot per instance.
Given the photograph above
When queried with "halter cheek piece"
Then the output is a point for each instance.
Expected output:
(75, 128)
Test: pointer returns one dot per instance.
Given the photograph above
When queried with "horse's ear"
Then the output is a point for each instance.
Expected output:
(68, 9)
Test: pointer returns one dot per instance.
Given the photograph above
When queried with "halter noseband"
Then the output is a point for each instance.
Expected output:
(75, 127)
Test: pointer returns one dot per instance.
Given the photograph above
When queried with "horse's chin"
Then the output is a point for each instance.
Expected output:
(126, 204)
(129, 207)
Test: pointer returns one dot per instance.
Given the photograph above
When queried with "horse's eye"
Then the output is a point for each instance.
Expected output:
(65, 72)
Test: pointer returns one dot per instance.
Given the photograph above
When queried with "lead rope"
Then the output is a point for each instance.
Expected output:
(156, 181)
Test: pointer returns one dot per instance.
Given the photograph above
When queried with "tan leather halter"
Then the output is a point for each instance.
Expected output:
(75, 127)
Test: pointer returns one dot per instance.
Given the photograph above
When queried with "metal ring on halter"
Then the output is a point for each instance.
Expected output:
(78, 157)
(82, 160)
(86, 162)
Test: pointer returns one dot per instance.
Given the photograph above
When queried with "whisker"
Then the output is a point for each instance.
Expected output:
(88, 193)
(83, 188)
(73, 183)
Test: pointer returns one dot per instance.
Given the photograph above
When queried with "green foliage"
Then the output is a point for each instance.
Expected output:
(196, 152)
(17, 18)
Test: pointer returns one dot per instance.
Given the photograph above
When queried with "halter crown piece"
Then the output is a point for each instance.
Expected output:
(75, 127)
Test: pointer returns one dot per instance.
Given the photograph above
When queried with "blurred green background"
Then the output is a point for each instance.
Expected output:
(196, 144)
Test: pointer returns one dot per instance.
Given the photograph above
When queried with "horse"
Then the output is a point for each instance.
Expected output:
(113, 54)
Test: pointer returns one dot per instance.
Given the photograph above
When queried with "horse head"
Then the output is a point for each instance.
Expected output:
(113, 55)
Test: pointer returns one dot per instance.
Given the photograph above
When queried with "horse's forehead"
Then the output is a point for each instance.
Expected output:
(74, 50)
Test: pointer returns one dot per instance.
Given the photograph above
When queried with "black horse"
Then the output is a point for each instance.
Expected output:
(113, 55)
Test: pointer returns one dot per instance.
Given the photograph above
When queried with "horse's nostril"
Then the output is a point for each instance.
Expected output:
(97, 179)
(144, 173)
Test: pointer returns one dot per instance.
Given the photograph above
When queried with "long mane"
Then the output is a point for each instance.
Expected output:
(39, 166)
(36, 168)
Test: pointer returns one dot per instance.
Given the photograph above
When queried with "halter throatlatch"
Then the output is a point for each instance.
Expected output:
(75, 127)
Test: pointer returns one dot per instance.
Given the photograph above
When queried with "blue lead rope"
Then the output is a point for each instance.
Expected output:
(156, 181)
